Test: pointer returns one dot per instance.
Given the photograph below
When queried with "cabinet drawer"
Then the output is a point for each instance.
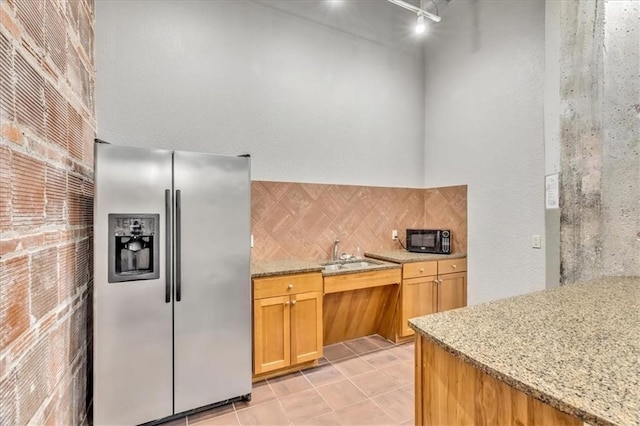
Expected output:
(286, 284)
(419, 269)
(452, 265)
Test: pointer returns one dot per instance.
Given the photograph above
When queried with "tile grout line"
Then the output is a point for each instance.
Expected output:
(375, 369)
(401, 387)
(291, 423)
(385, 411)
(332, 363)
(370, 398)
(266, 382)
(314, 387)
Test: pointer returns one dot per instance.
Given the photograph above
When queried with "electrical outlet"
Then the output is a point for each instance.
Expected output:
(394, 234)
(251, 240)
(536, 241)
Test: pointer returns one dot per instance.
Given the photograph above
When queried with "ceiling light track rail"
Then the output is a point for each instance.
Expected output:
(415, 9)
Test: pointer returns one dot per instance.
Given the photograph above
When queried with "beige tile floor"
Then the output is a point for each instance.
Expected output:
(366, 381)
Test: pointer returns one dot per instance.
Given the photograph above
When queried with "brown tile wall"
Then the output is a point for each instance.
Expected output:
(301, 220)
(47, 125)
(446, 208)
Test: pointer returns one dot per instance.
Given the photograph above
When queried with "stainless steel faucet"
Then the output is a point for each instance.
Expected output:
(335, 249)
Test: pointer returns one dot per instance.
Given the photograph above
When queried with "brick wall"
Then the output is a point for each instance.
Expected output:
(301, 220)
(47, 124)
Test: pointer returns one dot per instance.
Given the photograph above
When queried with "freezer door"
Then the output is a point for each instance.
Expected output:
(132, 347)
(212, 319)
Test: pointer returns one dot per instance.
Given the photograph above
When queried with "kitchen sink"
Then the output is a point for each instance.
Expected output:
(348, 265)
(357, 265)
(331, 268)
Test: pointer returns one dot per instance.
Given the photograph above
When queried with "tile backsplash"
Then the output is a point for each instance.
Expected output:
(301, 220)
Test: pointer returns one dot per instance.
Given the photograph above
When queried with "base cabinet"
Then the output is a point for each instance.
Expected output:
(306, 327)
(419, 297)
(429, 287)
(287, 328)
(452, 291)
(271, 330)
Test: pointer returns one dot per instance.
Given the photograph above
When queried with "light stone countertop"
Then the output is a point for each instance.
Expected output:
(576, 347)
(403, 256)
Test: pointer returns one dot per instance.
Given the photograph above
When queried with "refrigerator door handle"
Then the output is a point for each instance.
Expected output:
(178, 249)
(168, 221)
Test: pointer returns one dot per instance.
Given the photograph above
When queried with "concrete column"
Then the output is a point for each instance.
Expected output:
(599, 142)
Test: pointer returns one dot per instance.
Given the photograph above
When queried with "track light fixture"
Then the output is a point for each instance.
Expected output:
(420, 26)
(421, 12)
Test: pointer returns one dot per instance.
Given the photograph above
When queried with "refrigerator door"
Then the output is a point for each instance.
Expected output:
(212, 319)
(132, 357)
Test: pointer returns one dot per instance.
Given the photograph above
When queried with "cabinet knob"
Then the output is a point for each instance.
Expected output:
(290, 286)
(293, 302)
(439, 281)
(453, 266)
(435, 281)
(286, 303)
(421, 270)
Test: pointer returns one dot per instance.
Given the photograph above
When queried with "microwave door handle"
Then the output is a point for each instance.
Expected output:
(167, 219)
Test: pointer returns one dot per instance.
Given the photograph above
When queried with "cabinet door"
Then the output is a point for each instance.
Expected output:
(452, 291)
(271, 334)
(418, 299)
(306, 327)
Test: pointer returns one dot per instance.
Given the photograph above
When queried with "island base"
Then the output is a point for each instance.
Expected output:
(452, 392)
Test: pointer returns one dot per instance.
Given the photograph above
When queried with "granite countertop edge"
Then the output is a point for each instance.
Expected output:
(403, 256)
(372, 268)
(295, 266)
(264, 274)
(556, 403)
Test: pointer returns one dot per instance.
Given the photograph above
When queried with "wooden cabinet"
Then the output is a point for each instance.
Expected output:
(271, 325)
(306, 327)
(418, 297)
(287, 321)
(450, 391)
(452, 291)
(429, 287)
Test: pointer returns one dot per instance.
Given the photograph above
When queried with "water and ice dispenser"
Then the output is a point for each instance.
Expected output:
(134, 247)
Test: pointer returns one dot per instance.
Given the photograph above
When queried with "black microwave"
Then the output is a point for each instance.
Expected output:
(429, 241)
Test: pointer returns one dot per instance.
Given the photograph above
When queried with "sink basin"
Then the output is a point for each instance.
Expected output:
(332, 268)
(342, 265)
(357, 265)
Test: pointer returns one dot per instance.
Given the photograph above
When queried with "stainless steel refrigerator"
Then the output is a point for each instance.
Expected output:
(172, 286)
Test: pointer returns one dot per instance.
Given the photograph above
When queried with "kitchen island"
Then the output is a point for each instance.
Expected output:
(562, 356)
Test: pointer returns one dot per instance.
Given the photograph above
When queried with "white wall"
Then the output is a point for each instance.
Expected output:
(338, 96)
(484, 127)
(313, 94)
